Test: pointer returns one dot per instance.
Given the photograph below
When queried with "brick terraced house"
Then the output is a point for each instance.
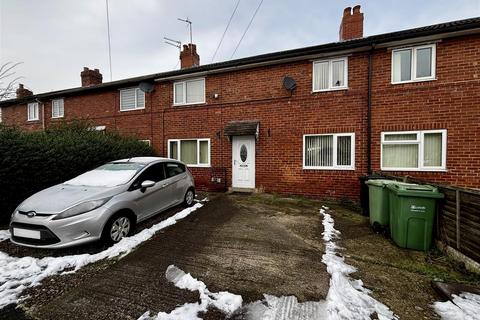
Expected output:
(307, 121)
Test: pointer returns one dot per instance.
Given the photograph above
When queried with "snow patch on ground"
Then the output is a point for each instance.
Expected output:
(4, 235)
(284, 308)
(346, 298)
(224, 301)
(465, 306)
(17, 274)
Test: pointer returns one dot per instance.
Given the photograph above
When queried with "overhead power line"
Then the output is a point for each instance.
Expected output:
(109, 46)
(248, 26)
(226, 28)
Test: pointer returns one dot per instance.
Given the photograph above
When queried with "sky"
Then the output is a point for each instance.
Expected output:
(55, 39)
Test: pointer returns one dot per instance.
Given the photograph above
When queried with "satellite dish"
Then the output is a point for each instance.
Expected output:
(289, 83)
(146, 87)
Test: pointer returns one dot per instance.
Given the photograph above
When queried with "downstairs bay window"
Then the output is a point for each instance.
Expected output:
(329, 151)
(193, 152)
(414, 150)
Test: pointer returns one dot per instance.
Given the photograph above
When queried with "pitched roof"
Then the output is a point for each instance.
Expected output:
(436, 29)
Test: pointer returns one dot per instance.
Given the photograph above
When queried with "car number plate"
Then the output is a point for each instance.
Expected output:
(25, 233)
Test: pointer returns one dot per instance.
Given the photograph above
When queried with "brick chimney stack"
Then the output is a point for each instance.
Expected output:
(352, 24)
(23, 92)
(91, 77)
(189, 56)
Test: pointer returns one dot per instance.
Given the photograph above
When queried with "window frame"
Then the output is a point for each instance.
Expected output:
(330, 72)
(420, 141)
(184, 92)
(335, 166)
(37, 107)
(198, 165)
(136, 99)
(413, 67)
(63, 108)
(146, 141)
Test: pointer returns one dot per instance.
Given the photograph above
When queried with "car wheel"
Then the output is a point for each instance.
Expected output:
(117, 228)
(189, 198)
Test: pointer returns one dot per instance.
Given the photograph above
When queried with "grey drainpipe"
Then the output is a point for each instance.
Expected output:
(369, 112)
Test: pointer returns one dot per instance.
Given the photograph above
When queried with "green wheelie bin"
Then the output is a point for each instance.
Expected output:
(412, 211)
(378, 202)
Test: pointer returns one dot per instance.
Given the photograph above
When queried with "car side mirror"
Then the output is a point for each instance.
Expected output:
(147, 184)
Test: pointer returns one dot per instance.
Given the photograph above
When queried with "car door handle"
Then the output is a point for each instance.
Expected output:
(164, 185)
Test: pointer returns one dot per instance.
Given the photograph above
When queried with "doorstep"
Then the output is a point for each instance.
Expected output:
(243, 190)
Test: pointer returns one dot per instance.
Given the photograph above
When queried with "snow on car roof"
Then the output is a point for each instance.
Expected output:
(141, 159)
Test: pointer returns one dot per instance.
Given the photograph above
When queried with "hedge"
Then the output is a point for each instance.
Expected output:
(32, 161)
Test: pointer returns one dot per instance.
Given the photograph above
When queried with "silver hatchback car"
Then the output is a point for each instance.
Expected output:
(105, 203)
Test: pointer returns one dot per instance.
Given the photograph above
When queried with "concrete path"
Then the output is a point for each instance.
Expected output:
(242, 244)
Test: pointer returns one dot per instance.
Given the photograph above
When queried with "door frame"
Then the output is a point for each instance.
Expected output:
(234, 138)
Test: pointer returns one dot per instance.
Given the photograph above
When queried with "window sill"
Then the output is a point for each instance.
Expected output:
(330, 90)
(414, 81)
(330, 168)
(58, 117)
(136, 109)
(414, 169)
(198, 165)
(33, 120)
(189, 104)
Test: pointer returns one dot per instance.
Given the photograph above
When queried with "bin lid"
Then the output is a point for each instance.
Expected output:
(379, 182)
(415, 190)
(385, 182)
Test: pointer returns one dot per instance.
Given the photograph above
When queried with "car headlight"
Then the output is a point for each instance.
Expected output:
(81, 208)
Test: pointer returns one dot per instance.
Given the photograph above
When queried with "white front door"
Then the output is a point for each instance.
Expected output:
(243, 158)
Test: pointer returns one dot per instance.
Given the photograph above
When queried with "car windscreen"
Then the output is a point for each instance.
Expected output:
(108, 175)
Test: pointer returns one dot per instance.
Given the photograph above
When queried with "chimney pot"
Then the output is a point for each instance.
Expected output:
(91, 77)
(351, 26)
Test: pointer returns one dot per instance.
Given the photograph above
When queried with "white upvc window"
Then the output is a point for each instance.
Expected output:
(146, 141)
(132, 99)
(189, 92)
(57, 108)
(32, 111)
(329, 151)
(414, 150)
(414, 64)
(193, 152)
(1, 115)
(330, 74)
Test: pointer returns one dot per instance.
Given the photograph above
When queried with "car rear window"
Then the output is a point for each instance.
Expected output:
(173, 169)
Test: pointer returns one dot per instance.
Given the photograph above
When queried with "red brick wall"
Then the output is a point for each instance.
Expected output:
(451, 103)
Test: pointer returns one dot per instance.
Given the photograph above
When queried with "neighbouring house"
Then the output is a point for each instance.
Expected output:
(307, 121)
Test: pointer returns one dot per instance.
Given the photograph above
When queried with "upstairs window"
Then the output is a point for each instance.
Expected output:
(132, 99)
(414, 150)
(329, 151)
(413, 64)
(57, 108)
(330, 74)
(32, 111)
(189, 92)
(193, 152)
